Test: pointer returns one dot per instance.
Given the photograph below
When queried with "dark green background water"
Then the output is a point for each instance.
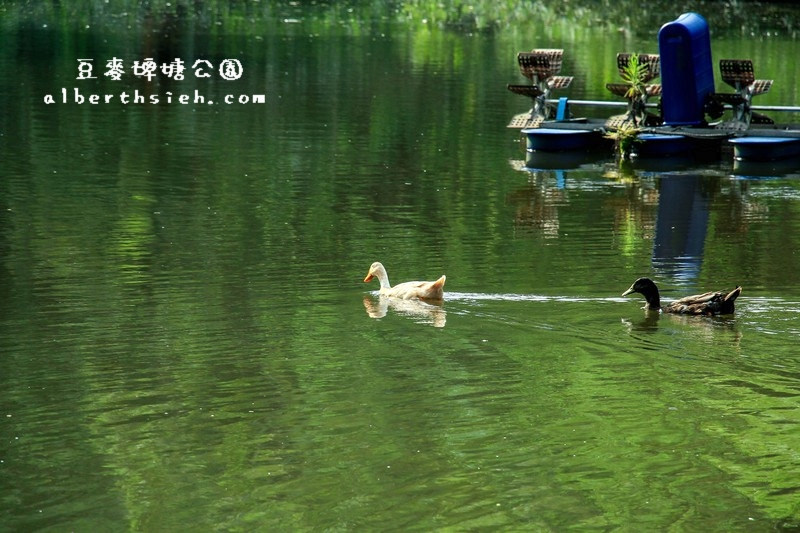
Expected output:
(186, 342)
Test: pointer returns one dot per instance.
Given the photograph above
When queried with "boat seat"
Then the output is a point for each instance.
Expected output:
(616, 122)
(531, 91)
(728, 98)
(653, 89)
(559, 82)
(760, 86)
(758, 118)
(541, 63)
(620, 89)
(525, 120)
(737, 72)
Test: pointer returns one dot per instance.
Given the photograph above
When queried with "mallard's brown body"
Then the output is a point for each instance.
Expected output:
(708, 303)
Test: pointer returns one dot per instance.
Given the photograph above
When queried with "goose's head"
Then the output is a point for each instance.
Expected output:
(376, 270)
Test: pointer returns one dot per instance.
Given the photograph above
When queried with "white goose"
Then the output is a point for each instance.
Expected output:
(423, 290)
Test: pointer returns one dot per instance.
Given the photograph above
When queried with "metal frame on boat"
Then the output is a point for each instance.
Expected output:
(688, 112)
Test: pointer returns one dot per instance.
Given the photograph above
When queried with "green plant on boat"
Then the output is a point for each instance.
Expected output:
(634, 74)
(624, 137)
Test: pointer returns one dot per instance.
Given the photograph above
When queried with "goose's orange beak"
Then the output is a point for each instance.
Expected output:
(369, 277)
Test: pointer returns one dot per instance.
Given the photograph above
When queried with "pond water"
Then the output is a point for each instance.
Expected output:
(187, 343)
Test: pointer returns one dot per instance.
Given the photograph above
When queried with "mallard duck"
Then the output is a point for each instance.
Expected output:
(709, 303)
(423, 290)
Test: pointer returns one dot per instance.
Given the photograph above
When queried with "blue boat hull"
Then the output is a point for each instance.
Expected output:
(560, 140)
(660, 145)
(765, 148)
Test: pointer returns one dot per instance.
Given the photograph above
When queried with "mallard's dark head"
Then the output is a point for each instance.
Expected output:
(648, 289)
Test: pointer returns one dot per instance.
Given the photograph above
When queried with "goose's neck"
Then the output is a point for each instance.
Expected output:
(383, 279)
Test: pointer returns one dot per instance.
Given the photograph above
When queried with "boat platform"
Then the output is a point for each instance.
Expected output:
(689, 116)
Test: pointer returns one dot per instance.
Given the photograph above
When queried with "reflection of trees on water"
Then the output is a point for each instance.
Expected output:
(743, 209)
(537, 204)
(634, 213)
(674, 210)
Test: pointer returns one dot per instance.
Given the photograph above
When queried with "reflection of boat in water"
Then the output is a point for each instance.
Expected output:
(674, 210)
(420, 311)
(681, 226)
(678, 124)
(539, 160)
(658, 165)
(762, 169)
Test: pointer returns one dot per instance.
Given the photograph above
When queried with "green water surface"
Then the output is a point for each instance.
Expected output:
(186, 343)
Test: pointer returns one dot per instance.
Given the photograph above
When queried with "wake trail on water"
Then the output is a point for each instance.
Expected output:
(512, 297)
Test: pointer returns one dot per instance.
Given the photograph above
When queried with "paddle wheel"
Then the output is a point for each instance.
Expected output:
(739, 74)
(541, 67)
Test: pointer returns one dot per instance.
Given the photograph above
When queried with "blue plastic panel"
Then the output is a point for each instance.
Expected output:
(687, 72)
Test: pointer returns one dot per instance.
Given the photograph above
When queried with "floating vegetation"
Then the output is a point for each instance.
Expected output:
(624, 137)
